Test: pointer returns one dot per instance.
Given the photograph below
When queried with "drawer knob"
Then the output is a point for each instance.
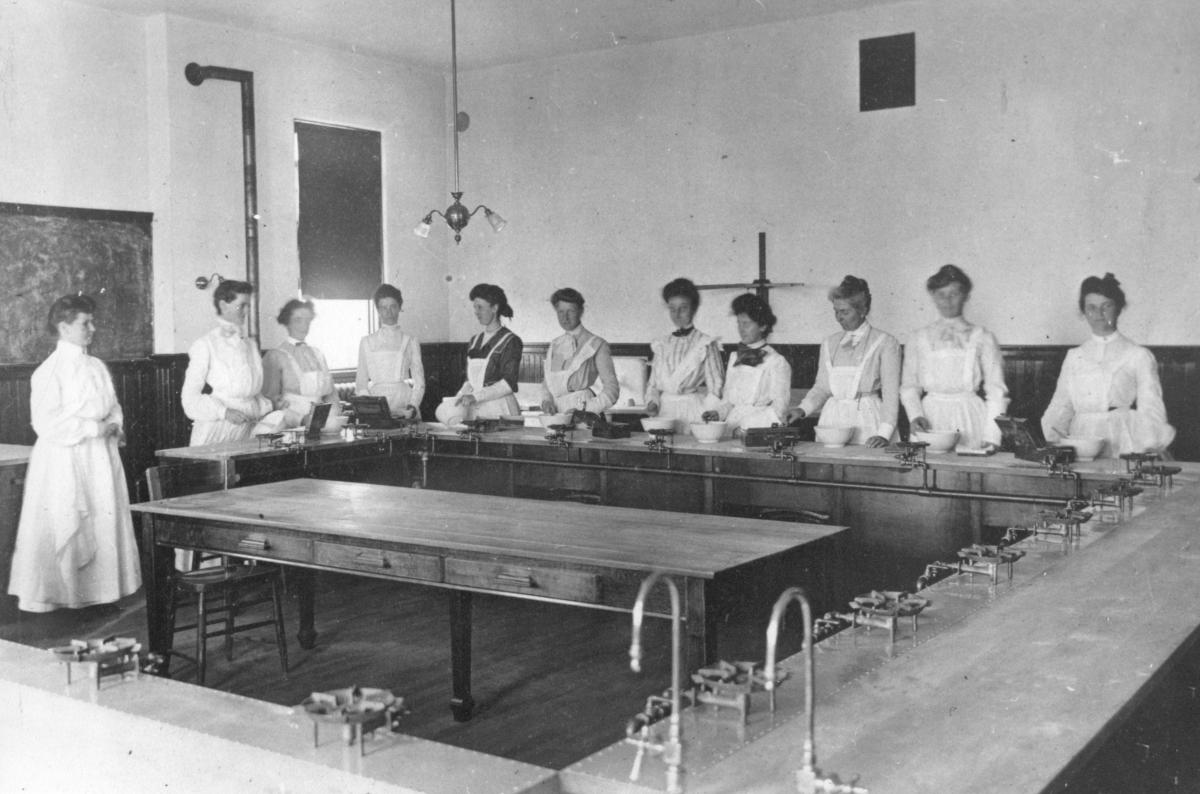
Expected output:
(518, 579)
(253, 544)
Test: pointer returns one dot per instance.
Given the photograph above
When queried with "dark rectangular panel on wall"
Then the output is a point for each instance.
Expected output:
(48, 252)
(340, 237)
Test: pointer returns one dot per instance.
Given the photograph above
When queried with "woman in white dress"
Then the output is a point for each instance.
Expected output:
(231, 365)
(493, 363)
(389, 360)
(686, 377)
(758, 381)
(295, 375)
(858, 373)
(1108, 387)
(945, 365)
(75, 542)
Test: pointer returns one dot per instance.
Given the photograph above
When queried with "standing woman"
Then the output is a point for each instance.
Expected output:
(758, 381)
(493, 363)
(575, 361)
(947, 362)
(686, 375)
(295, 374)
(1109, 386)
(389, 360)
(75, 543)
(231, 365)
(858, 374)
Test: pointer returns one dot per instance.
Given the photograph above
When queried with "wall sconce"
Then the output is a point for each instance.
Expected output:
(202, 282)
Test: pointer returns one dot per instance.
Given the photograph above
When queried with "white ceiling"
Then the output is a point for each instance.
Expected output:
(490, 32)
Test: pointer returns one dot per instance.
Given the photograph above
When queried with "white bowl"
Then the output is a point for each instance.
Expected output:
(550, 420)
(657, 423)
(1086, 448)
(834, 436)
(938, 440)
(708, 432)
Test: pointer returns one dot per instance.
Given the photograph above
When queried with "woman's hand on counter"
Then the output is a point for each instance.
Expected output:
(795, 414)
(237, 417)
(877, 442)
(651, 409)
(710, 416)
(921, 423)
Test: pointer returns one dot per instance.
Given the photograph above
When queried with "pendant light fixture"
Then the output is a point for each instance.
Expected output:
(456, 215)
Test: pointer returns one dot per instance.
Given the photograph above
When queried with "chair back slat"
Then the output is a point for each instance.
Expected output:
(183, 479)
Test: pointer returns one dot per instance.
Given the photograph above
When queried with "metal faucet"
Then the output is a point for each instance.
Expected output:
(672, 749)
(808, 780)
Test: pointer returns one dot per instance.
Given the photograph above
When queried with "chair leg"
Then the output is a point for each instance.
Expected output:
(201, 635)
(231, 605)
(166, 668)
(277, 608)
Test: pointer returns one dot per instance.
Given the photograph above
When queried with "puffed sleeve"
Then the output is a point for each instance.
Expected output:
(273, 377)
(714, 374)
(1056, 421)
(416, 371)
(50, 409)
(1150, 399)
(610, 387)
(991, 365)
(654, 382)
(889, 385)
(778, 391)
(820, 391)
(502, 372)
(199, 407)
(911, 390)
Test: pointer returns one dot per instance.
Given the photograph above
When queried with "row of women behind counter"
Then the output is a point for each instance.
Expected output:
(75, 544)
(1108, 387)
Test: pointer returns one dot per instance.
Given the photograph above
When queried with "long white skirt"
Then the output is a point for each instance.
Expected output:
(75, 542)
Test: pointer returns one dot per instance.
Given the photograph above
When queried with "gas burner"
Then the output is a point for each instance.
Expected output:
(1063, 523)
(286, 439)
(912, 454)
(359, 710)
(884, 609)
(660, 440)
(1117, 494)
(559, 435)
(111, 656)
(1014, 535)
(1160, 475)
(730, 684)
(979, 558)
(475, 428)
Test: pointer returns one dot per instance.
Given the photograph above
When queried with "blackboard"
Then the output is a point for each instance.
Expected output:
(48, 252)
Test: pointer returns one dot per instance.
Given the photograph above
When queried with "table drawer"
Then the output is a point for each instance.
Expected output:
(240, 541)
(401, 564)
(509, 577)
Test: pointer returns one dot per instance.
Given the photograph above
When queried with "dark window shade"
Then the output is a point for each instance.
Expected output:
(341, 211)
(887, 72)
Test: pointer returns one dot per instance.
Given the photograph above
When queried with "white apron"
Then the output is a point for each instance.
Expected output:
(556, 381)
(314, 385)
(848, 407)
(963, 410)
(741, 389)
(388, 378)
(450, 414)
(673, 403)
(1123, 428)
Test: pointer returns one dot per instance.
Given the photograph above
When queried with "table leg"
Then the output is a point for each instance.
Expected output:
(700, 625)
(303, 580)
(158, 563)
(461, 702)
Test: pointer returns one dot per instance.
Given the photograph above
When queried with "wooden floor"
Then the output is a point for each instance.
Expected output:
(552, 683)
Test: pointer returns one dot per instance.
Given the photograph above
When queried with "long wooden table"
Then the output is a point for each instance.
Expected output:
(588, 556)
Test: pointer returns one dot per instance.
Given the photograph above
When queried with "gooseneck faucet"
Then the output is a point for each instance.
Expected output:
(807, 779)
(672, 748)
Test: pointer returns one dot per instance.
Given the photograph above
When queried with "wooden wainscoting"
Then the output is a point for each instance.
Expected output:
(149, 390)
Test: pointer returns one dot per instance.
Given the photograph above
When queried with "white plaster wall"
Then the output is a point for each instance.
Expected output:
(1050, 140)
(72, 106)
(291, 81)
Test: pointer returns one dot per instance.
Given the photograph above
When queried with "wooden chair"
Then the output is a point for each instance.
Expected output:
(230, 580)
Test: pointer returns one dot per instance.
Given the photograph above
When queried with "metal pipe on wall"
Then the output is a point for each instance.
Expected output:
(197, 74)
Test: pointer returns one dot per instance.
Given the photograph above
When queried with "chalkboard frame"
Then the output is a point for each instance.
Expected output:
(112, 262)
